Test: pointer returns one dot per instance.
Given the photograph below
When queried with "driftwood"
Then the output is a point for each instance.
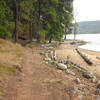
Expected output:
(53, 55)
(78, 67)
(98, 58)
(85, 57)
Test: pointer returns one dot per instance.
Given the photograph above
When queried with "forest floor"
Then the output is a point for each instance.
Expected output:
(38, 80)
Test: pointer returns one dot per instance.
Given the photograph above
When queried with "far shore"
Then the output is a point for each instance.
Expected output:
(77, 42)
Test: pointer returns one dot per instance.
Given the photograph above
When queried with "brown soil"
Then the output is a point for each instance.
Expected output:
(33, 83)
(40, 81)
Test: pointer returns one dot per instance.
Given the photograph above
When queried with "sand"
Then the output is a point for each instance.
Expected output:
(68, 51)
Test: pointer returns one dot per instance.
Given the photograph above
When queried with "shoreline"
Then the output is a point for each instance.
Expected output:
(67, 50)
(79, 43)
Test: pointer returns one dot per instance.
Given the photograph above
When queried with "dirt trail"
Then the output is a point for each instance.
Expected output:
(31, 84)
(41, 81)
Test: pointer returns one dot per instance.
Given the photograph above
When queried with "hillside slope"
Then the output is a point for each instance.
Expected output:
(89, 27)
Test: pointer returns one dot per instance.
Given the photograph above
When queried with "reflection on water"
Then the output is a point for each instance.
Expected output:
(94, 40)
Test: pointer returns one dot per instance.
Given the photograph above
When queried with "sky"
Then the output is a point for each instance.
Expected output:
(87, 10)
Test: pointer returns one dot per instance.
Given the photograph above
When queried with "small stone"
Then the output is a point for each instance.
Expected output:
(48, 59)
(98, 91)
(88, 74)
(80, 97)
(73, 90)
(94, 79)
(70, 72)
(19, 79)
(98, 84)
(42, 53)
(81, 87)
(59, 71)
(47, 62)
(78, 80)
(61, 66)
(18, 67)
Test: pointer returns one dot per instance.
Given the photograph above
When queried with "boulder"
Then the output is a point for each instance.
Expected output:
(88, 74)
(61, 66)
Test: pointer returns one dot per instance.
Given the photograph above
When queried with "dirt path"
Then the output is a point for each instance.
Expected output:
(33, 83)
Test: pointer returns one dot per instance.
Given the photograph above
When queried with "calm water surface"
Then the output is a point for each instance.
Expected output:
(93, 39)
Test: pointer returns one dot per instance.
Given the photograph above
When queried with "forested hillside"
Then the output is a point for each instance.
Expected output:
(89, 27)
(40, 19)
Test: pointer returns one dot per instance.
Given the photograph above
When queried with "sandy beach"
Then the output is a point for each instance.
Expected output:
(64, 51)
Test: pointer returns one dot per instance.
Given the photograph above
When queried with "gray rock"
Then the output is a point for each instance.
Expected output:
(60, 61)
(42, 53)
(81, 87)
(80, 97)
(70, 72)
(88, 74)
(98, 91)
(78, 80)
(94, 79)
(48, 59)
(19, 79)
(73, 90)
(61, 66)
(98, 84)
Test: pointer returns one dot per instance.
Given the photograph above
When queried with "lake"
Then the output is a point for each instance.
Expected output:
(93, 39)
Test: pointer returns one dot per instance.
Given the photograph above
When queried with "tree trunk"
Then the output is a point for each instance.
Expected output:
(39, 14)
(65, 37)
(30, 31)
(50, 39)
(16, 21)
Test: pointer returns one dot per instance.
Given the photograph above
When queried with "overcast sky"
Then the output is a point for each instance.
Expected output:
(87, 10)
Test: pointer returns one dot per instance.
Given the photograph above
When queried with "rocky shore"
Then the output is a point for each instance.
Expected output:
(75, 62)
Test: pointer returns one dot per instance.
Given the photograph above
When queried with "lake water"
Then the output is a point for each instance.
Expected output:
(93, 39)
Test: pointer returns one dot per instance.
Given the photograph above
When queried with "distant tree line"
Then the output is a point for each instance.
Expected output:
(44, 20)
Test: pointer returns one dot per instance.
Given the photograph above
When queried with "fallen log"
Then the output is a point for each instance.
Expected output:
(85, 57)
(78, 67)
(86, 73)
(98, 58)
(53, 55)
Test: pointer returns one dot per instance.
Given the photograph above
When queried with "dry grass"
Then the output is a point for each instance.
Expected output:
(9, 47)
(10, 54)
(7, 70)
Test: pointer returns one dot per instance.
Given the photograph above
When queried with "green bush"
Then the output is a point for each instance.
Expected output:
(53, 62)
